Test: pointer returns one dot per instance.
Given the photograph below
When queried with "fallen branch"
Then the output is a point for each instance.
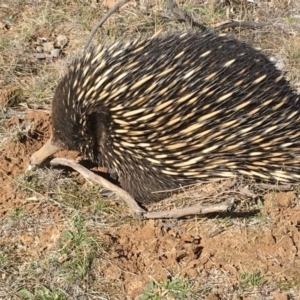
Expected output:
(242, 24)
(286, 187)
(183, 16)
(190, 211)
(87, 174)
(135, 209)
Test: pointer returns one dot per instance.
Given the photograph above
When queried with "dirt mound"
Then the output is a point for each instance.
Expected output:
(192, 250)
(15, 154)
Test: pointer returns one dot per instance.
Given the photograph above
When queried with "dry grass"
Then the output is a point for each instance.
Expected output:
(56, 241)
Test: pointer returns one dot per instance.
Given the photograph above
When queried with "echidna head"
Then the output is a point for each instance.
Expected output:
(74, 126)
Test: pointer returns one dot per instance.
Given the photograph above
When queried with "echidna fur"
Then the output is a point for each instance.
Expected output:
(177, 109)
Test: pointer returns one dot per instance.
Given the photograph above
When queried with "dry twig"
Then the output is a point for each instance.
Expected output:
(103, 19)
(280, 188)
(197, 209)
(182, 16)
(135, 209)
(242, 24)
(133, 206)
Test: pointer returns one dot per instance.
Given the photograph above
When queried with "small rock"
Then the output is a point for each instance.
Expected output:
(39, 49)
(55, 52)
(48, 46)
(40, 56)
(39, 271)
(279, 63)
(280, 296)
(61, 41)
(4, 25)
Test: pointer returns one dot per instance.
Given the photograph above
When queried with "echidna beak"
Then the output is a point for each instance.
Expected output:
(39, 156)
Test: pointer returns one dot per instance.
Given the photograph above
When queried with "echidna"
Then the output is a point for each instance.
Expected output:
(176, 109)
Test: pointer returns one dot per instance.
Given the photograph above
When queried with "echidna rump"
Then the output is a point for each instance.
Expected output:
(177, 109)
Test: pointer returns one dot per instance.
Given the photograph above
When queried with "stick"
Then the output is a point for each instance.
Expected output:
(286, 187)
(135, 209)
(133, 206)
(245, 24)
(181, 15)
(103, 19)
(197, 209)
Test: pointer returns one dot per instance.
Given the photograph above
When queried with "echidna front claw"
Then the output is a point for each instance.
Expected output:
(39, 156)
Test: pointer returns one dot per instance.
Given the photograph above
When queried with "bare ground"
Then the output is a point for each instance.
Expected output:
(60, 240)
